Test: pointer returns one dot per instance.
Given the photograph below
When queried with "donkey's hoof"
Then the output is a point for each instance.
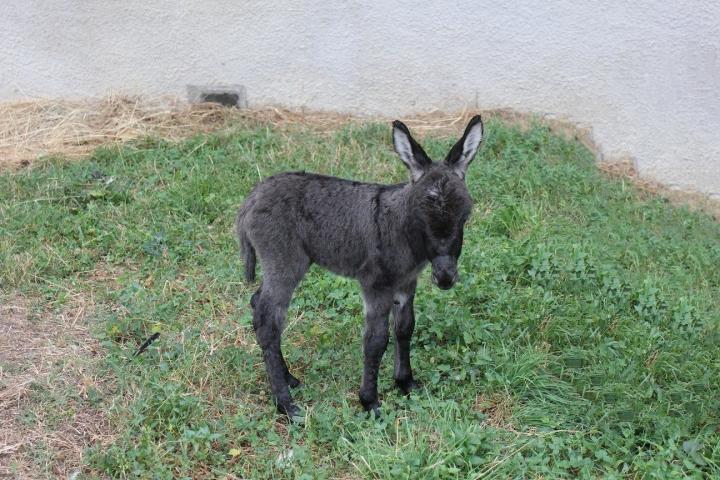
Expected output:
(297, 419)
(407, 386)
(293, 412)
(375, 412)
(292, 381)
(372, 406)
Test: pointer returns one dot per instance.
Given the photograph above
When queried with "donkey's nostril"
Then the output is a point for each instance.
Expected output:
(444, 281)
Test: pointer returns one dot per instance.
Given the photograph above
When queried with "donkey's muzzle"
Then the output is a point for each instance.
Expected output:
(444, 271)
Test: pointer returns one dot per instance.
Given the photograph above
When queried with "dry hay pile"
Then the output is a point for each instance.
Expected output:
(41, 127)
(30, 129)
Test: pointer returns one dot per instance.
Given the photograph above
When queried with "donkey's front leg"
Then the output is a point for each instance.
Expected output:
(404, 323)
(375, 340)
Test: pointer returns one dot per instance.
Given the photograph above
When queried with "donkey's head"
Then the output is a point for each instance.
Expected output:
(439, 202)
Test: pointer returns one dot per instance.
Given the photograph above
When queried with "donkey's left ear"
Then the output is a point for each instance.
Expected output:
(463, 152)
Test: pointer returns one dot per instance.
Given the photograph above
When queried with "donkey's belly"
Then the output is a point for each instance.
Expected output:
(341, 261)
(380, 272)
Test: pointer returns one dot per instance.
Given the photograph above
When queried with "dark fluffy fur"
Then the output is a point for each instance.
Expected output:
(381, 235)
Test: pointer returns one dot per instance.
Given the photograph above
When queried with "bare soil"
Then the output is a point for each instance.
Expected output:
(47, 386)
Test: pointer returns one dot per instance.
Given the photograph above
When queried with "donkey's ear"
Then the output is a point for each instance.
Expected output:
(463, 152)
(411, 153)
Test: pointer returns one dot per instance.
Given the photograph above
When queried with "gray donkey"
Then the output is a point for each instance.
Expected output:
(382, 235)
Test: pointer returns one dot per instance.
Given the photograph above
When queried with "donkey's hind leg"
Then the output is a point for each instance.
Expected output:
(268, 320)
(291, 380)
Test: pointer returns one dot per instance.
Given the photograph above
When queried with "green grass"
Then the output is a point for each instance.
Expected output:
(582, 340)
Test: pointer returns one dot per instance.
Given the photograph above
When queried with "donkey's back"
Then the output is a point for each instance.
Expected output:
(296, 218)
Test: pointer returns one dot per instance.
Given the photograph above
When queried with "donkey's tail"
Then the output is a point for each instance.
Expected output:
(246, 248)
(249, 257)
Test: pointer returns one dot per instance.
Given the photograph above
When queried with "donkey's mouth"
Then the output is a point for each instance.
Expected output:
(445, 283)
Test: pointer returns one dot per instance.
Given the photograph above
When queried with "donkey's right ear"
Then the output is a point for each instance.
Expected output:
(411, 153)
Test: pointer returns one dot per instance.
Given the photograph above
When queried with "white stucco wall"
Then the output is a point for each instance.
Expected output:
(644, 75)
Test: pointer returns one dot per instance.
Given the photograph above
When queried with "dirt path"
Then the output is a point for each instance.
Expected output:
(49, 398)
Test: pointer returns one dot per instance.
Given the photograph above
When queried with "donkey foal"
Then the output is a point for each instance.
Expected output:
(381, 235)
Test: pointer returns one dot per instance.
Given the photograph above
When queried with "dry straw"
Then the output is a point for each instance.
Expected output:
(50, 357)
(41, 127)
(30, 129)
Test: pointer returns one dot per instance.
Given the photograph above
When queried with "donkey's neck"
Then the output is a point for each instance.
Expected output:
(392, 208)
(394, 221)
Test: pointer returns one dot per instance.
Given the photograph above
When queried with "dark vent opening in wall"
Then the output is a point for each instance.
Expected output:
(229, 95)
(226, 99)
